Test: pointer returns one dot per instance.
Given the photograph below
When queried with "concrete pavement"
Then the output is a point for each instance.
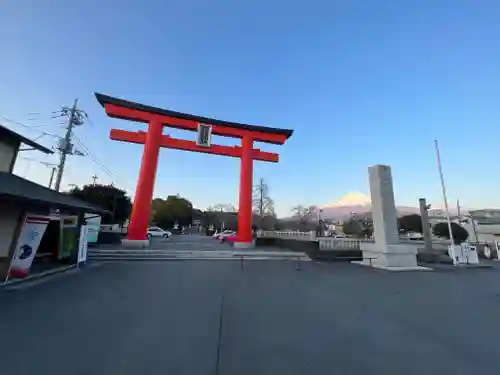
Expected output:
(209, 317)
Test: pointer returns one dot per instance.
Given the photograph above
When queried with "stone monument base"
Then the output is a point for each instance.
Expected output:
(400, 257)
(135, 244)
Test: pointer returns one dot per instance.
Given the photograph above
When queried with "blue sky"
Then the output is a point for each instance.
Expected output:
(360, 82)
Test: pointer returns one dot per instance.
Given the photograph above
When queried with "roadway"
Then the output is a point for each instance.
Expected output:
(189, 243)
(189, 247)
(211, 317)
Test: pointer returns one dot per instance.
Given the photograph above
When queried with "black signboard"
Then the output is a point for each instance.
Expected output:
(204, 135)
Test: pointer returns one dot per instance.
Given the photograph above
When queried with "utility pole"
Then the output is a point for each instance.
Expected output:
(443, 189)
(473, 222)
(76, 118)
(94, 179)
(52, 176)
(66, 146)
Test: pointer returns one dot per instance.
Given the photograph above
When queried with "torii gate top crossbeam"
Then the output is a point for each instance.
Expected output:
(181, 144)
(124, 109)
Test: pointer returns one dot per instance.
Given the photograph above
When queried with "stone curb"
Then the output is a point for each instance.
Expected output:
(37, 276)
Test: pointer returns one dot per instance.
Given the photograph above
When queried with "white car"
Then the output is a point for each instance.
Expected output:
(158, 232)
(216, 234)
(414, 236)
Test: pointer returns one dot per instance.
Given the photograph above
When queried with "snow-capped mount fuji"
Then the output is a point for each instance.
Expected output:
(356, 203)
(351, 199)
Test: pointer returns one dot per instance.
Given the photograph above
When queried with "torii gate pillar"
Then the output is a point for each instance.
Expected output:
(245, 238)
(141, 209)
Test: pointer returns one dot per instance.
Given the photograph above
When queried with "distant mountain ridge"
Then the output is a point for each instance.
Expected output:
(358, 203)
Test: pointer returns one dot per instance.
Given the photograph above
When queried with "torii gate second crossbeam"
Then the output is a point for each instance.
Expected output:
(154, 139)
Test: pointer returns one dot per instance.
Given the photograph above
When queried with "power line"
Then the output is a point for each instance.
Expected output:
(31, 127)
(94, 158)
(38, 161)
(101, 165)
(90, 121)
(76, 117)
(49, 165)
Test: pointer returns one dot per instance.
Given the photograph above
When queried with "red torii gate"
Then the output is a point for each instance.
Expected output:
(154, 139)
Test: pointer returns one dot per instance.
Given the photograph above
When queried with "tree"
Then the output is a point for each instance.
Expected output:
(460, 234)
(303, 214)
(210, 218)
(367, 228)
(107, 197)
(410, 223)
(173, 210)
(262, 203)
(222, 216)
(353, 227)
(222, 207)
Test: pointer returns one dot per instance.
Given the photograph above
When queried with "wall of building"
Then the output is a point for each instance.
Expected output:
(9, 215)
(8, 152)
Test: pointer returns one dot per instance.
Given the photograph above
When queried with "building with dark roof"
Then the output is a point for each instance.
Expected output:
(20, 198)
(10, 146)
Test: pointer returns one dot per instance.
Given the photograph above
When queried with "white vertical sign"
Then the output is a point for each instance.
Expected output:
(470, 252)
(93, 223)
(27, 244)
(83, 244)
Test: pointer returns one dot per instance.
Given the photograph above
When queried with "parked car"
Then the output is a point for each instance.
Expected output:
(225, 234)
(414, 236)
(158, 232)
(232, 238)
(216, 234)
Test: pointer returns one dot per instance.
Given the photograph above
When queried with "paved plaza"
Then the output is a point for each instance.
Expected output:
(211, 317)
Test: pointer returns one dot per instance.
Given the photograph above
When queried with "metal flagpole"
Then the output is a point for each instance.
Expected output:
(443, 188)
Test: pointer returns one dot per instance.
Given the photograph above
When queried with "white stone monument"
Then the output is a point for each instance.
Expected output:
(387, 252)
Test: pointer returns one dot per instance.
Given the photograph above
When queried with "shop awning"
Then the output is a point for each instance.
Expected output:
(18, 188)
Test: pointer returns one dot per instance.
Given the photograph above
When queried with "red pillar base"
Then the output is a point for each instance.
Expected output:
(244, 245)
(135, 244)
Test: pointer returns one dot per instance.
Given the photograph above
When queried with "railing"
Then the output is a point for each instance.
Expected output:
(112, 228)
(301, 236)
(329, 243)
(340, 243)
